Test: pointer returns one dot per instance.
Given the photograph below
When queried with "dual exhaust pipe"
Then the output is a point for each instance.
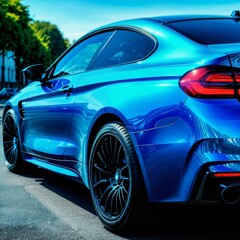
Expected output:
(230, 194)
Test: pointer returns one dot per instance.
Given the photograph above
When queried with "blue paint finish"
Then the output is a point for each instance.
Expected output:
(54, 168)
(228, 167)
(175, 136)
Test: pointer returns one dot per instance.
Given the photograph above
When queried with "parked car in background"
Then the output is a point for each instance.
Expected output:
(6, 93)
(139, 111)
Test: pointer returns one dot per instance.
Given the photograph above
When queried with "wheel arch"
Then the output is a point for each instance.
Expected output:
(98, 124)
(5, 110)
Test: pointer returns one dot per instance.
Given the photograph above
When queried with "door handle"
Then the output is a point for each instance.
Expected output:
(67, 89)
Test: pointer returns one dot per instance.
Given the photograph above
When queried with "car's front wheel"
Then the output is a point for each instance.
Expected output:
(11, 144)
(115, 179)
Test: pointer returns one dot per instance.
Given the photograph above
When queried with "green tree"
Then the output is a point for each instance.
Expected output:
(31, 42)
(17, 36)
(14, 17)
(67, 43)
(50, 37)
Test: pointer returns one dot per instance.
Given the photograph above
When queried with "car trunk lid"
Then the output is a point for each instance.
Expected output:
(232, 50)
(233, 53)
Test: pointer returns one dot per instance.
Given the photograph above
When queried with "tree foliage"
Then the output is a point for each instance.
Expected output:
(14, 18)
(50, 37)
(32, 42)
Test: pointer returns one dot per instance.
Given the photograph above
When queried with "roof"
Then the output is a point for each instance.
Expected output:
(163, 20)
(178, 18)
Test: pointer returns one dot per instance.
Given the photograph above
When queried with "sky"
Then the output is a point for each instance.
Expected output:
(75, 18)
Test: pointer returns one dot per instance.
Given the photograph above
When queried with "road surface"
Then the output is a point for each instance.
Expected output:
(42, 205)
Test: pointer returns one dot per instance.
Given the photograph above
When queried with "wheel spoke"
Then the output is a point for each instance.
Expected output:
(123, 168)
(116, 202)
(110, 146)
(108, 198)
(12, 126)
(7, 128)
(11, 155)
(115, 149)
(100, 157)
(103, 170)
(103, 152)
(10, 136)
(9, 119)
(103, 195)
(8, 142)
(101, 182)
(125, 178)
(118, 154)
(125, 190)
(119, 205)
(16, 152)
(107, 150)
(122, 195)
(113, 202)
(9, 149)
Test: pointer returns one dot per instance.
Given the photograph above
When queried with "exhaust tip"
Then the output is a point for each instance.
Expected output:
(230, 194)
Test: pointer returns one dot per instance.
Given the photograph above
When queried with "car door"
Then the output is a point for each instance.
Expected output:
(48, 109)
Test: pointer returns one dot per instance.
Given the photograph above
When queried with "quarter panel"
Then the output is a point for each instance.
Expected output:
(141, 99)
(145, 96)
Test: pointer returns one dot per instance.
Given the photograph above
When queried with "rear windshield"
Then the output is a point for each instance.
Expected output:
(209, 31)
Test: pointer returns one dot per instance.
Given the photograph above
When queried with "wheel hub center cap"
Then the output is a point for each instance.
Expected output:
(117, 176)
(15, 140)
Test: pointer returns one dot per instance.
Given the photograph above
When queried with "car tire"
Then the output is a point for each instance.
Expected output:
(115, 179)
(11, 142)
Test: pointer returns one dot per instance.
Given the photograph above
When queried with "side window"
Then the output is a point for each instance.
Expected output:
(125, 46)
(78, 58)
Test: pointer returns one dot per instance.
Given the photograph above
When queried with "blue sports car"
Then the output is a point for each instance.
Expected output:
(140, 111)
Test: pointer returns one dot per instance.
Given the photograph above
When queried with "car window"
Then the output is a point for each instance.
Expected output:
(78, 58)
(125, 46)
(209, 31)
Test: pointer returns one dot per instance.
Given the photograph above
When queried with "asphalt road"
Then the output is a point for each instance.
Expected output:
(42, 205)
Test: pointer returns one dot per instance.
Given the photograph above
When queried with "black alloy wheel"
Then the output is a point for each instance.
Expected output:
(115, 177)
(11, 143)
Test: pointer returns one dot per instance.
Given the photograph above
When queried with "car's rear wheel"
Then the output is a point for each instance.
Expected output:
(116, 183)
(11, 144)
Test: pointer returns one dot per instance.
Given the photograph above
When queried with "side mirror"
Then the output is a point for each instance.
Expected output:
(33, 72)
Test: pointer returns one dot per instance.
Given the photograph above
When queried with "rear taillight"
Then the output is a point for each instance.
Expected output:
(229, 174)
(237, 77)
(210, 82)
